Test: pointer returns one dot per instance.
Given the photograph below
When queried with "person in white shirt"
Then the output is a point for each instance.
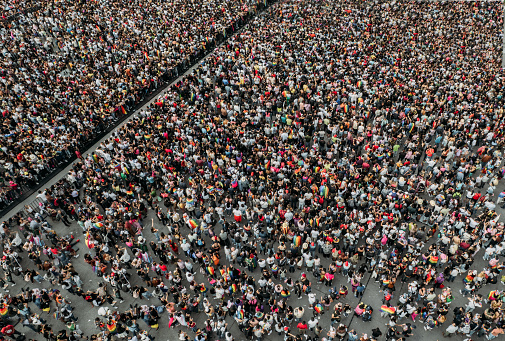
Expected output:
(451, 330)
(188, 265)
(288, 215)
(234, 253)
(312, 299)
(490, 251)
(471, 305)
(219, 293)
(312, 323)
(237, 214)
(185, 246)
(190, 277)
(227, 253)
(454, 272)
(42, 196)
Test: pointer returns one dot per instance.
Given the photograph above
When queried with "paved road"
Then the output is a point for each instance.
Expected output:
(373, 295)
(87, 313)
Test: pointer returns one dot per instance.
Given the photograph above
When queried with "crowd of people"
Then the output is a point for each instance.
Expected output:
(71, 69)
(10, 8)
(328, 148)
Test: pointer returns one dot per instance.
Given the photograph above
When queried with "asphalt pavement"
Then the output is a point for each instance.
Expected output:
(372, 296)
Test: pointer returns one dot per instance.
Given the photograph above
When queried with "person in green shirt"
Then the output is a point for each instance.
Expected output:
(395, 148)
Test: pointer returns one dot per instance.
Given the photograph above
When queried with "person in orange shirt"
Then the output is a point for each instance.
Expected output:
(215, 259)
(429, 152)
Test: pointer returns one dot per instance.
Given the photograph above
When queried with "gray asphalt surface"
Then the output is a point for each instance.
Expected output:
(373, 296)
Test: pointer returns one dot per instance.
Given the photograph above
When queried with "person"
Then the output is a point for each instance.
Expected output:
(407, 329)
(451, 330)
(360, 290)
(353, 335)
(342, 331)
(302, 327)
(38, 157)
(63, 217)
(382, 142)
(495, 333)
(298, 313)
(312, 323)
(10, 331)
(391, 333)
(376, 333)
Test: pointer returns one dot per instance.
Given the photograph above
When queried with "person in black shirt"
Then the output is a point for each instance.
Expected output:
(376, 332)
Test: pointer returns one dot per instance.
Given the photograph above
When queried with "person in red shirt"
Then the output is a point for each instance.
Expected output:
(9, 330)
(163, 269)
(302, 326)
